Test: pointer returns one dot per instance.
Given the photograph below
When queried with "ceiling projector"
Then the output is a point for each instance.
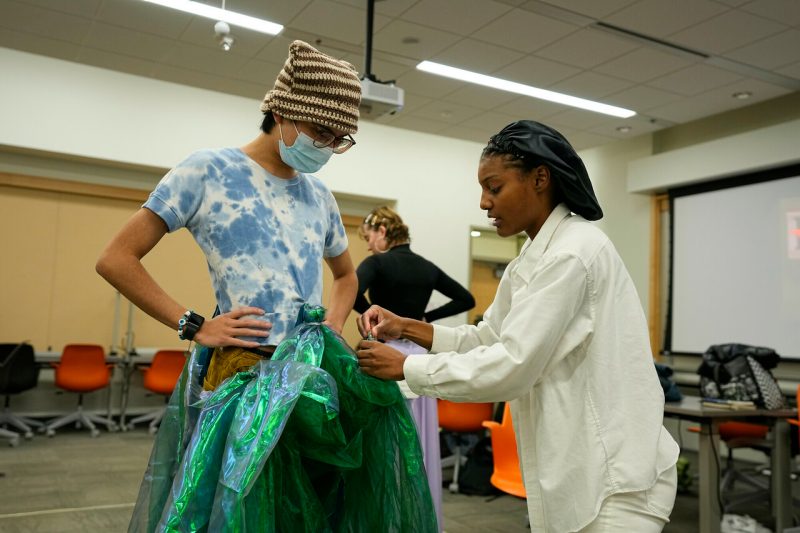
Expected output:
(379, 99)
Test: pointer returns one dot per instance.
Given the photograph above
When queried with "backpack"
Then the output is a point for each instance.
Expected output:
(741, 372)
(474, 476)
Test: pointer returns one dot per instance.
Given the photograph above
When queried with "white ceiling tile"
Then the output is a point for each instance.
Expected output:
(146, 17)
(276, 50)
(659, 19)
(337, 21)
(728, 31)
(446, 111)
(414, 101)
(44, 22)
(467, 134)
(637, 124)
(456, 16)
(761, 91)
(428, 41)
(477, 56)
(390, 9)
(36, 44)
(259, 73)
(103, 59)
(578, 119)
(793, 71)
(382, 70)
(415, 123)
(530, 108)
(733, 3)
(591, 85)
(783, 11)
(491, 122)
(694, 79)
(643, 64)
(280, 11)
(589, 8)
(211, 60)
(427, 84)
(584, 140)
(641, 98)
(81, 8)
(536, 71)
(773, 52)
(716, 101)
(480, 97)
(514, 30)
(128, 42)
(586, 48)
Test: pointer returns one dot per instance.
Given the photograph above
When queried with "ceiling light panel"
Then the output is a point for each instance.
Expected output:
(215, 13)
(519, 88)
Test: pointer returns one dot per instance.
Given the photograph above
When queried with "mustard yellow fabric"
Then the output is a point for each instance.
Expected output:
(225, 362)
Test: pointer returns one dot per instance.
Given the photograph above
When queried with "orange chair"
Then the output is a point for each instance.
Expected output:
(82, 369)
(741, 435)
(507, 475)
(160, 378)
(461, 419)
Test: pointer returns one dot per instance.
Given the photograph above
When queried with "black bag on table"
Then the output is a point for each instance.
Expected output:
(741, 372)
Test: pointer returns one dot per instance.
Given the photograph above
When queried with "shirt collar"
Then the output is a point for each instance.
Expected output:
(539, 243)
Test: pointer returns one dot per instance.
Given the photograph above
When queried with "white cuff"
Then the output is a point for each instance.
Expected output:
(444, 339)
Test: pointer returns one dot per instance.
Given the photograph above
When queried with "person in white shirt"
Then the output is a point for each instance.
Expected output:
(565, 342)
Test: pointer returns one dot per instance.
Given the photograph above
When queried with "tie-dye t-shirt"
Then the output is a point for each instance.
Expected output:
(263, 237)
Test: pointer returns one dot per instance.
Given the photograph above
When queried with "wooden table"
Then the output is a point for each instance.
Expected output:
(709, 418)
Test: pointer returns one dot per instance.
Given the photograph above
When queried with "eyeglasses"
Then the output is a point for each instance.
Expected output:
(323, 138)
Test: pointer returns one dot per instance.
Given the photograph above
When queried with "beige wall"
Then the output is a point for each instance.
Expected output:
(51, 293)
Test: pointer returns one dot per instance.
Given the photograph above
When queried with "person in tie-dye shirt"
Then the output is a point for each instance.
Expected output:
(264, 223)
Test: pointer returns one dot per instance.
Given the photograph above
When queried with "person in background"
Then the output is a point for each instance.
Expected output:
(288, 433)
(565, 342)
(402, 281)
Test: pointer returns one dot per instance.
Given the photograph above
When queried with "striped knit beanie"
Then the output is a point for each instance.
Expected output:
(315, 87)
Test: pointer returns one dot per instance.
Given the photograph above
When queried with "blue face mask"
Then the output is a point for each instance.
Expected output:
(303, 156)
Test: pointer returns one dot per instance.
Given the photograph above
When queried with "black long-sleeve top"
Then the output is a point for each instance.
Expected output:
(402, 282)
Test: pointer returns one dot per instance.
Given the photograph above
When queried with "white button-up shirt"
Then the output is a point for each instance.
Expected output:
(566, 342)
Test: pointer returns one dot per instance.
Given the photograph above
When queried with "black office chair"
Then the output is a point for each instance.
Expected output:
(18, 373)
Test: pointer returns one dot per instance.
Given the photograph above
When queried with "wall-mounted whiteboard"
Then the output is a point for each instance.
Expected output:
(735, 270)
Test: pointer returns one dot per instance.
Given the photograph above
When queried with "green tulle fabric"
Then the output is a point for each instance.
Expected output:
(303, 442)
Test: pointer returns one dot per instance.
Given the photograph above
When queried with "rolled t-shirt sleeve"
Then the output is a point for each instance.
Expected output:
(178, 195)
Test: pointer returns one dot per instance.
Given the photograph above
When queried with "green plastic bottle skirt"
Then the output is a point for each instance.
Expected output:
(303, 442)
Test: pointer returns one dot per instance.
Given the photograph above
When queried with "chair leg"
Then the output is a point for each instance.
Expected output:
(90, 418)
(82, 418)
(56, 423)
(154, 417)
(13, 437)
(147, 417)
(22, 423)
(457, 465)
(159, 416)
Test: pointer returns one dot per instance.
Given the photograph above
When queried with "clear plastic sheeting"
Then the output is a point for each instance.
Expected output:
(303, 442)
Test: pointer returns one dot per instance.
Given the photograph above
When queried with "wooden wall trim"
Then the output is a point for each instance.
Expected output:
(352, 220)
(72, 187)
(658, 204)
